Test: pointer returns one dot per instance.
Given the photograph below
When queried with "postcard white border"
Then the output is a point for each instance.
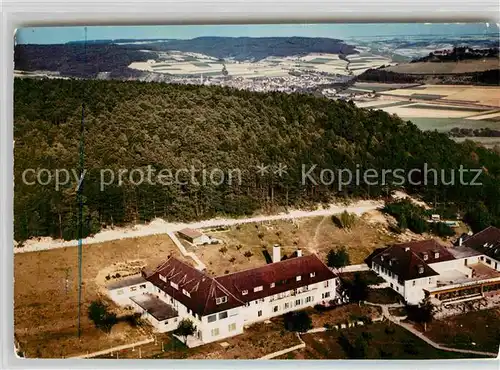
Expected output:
(69, 12)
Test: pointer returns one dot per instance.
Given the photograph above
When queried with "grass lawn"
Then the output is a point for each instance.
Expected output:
(480, 327)
(380, 341)
(46, 294)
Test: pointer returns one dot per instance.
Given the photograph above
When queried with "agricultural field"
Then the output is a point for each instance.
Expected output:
(45, 294)
(178, 63)
(488, 142)
(250, 245)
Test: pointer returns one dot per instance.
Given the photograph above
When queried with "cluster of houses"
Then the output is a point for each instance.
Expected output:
(222, 306)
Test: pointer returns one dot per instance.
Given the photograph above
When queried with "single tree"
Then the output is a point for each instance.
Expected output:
(426, 309)
(338, 258)
(102, 318)
(298, 321)
(185, 329)
(358, 288)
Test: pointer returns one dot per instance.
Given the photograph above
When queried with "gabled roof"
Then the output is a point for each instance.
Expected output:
(194, 289)
(282, 274)
(486, 241)
(405, 260)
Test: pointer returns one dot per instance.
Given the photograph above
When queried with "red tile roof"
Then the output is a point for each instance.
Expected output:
(283, 274)
(406, 259)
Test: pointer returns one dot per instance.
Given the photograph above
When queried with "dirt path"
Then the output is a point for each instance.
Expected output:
(159, 226)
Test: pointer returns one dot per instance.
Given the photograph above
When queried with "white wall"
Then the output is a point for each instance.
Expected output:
(392, 279)
(223, 326)
(414, 289)
(494, 264)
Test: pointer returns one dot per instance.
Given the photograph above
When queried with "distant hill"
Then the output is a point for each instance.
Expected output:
(87, 60)
(459, 54)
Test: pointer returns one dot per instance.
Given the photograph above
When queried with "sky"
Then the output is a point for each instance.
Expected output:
(58, 35)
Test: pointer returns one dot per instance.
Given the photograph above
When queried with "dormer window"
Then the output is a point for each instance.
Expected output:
(298, 278)
(258, 288)
(436, 255)
(420, 269)
(244, 292)
(221, 300)
(162, 278)
(407, 249)
(312, 274)
(186, 293)
(174, 285)
(272, 285)
(426, 257)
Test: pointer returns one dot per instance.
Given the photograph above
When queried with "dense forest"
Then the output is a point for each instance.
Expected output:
(136, 124)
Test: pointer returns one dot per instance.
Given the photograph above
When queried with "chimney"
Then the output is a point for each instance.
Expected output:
(460, 241)
(276, 253)
(407, 249)
(299, 252)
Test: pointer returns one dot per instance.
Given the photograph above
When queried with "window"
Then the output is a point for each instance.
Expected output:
(272, 285)
(212, 318)
(392, 285)
(142, 286)
(326, 284)
(413, 283)
(215, 332)
(233, 313)
(275, 309)
(245, 292)
(312, 274)
(287, 306)
(166, 322)
(325, 295)
(162, 278)
(309, 299)
(259, 313)
(133, 288)
(174, 285)
(425, 256)
(223, 315)
(298, 278)
(258, 288)
(232, 327)
(488, 261)
(421, 269)
(297, 302)
(436, 255)
(175, 320)
(186, 293)
(221, 300)
(119, 292)
(430, 280)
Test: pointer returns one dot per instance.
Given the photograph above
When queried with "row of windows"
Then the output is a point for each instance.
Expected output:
(222, 316)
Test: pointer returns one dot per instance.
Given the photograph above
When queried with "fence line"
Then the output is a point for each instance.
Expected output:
(115, 349)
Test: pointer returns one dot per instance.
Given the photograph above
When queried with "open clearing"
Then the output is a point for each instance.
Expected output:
(384, 341)
(479, 327)
(45, 294)
(312, 235)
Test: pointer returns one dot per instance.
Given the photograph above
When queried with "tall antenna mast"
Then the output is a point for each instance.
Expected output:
(80, 199)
